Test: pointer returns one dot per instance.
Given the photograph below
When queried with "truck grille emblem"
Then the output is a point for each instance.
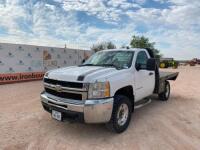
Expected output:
(58, 88)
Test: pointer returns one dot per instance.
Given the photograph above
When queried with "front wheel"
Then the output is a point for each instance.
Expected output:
(121, 114)
(165, 95)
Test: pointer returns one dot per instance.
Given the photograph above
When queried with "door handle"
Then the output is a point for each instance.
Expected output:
(150, 73)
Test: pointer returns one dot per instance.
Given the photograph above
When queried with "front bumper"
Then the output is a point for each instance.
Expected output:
(89, 111)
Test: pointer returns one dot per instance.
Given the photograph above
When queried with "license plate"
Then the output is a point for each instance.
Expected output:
(57, 115)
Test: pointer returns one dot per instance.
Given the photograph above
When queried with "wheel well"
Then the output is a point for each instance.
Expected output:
(126, 91)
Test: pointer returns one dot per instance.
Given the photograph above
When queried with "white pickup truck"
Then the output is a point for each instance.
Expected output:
(106, 88)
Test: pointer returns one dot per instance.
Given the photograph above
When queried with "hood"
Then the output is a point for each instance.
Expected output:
(80, 74)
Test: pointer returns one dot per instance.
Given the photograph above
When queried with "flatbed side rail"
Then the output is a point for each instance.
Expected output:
(168, 75)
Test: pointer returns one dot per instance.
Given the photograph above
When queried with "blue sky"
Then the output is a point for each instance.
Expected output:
(173, 24)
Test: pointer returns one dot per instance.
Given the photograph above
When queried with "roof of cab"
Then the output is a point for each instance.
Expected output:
(121, 49)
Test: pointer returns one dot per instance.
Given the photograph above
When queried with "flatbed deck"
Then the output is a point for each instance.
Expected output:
(168, 75)
(163, 77)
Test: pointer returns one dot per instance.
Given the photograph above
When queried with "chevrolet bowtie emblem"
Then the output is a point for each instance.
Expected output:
(58, 88)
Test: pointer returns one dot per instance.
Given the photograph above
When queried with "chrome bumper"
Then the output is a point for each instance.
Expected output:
(94, 111)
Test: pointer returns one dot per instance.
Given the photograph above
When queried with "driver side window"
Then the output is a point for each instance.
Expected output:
(141, 60)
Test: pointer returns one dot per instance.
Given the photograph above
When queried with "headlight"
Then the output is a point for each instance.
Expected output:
(99, 90)
(46, 75)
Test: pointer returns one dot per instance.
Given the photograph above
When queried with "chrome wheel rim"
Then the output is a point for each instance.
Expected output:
(122, 114)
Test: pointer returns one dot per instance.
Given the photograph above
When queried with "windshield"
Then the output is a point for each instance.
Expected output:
(117, 59)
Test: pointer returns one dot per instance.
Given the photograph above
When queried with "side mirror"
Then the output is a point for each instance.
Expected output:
(83, 61)
(151, 64)
(138, 66)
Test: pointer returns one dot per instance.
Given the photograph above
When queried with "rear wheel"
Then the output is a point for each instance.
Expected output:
(121, 114)
(165, 95)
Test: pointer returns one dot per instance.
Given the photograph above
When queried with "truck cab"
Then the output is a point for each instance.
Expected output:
(106, 88)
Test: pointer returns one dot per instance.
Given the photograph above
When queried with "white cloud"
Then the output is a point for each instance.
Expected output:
(140, 1)
(181, 44)
(8, 16)
(184, 2)
(175, 29)
(99, 9)
(123, 4)
(184, 16)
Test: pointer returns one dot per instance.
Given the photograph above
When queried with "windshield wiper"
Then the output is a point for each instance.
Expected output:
(87, 65)
(109, 65)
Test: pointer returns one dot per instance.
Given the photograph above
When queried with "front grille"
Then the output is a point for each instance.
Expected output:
(64, 94)
(64, 83)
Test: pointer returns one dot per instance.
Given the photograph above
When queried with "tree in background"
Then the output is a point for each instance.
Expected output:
(102, 46)
(125, 47)
(143, 42)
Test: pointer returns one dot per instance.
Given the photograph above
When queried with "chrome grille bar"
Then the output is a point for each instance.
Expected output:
(82, 91)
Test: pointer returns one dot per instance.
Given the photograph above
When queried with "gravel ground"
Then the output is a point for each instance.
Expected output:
(174, 124)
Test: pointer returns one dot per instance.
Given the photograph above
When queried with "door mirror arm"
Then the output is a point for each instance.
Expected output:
(138, 66)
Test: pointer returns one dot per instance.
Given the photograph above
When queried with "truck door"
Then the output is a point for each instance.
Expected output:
(144, 79)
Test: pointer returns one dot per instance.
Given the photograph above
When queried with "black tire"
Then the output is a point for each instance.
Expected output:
(166, 94)
(113, 124)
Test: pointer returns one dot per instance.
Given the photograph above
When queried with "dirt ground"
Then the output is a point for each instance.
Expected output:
(174, 124)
